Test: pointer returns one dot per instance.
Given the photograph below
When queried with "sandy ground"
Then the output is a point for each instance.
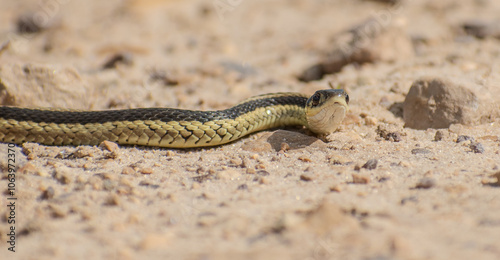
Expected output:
(378, 190)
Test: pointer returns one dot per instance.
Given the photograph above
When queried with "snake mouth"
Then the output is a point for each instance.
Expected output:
(325, 110)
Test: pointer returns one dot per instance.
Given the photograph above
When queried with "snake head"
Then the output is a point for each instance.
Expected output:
(325, 110)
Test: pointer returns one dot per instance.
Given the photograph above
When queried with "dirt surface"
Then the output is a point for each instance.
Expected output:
(378, 190)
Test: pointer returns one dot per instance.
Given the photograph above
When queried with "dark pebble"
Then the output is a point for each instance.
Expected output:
(409, 199)
(478, 29)
(306, 177)
(28, 24)
(476, 147)
(463, 138)
(315, 72)
(164, 77)
(370, 164)
(243, 187)
(439, 135)
(123, 58)
(420, 151)
(394, 137)
(263, 173)
(425, 183)
(149, 184)
(47, 194)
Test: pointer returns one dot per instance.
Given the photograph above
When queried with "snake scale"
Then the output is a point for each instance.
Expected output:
(322, 113)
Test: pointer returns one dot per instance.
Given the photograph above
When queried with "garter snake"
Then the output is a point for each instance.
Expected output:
(322, 113)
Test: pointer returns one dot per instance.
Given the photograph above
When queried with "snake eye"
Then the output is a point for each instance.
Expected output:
(347, 99)
(315, 99)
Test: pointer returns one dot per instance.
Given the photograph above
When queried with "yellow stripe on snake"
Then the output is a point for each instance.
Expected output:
(322, 113)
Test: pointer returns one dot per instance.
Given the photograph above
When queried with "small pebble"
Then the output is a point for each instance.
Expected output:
(420, 151)
(463, 138)
(371, 121)
(47, 194)
(476, 147)
(284, 147)
(263, 173)
(425, 183)
(128, 170)
(83, 152)
(251, 171)
(439, 135)
(108, 185)
(110, 146)
(149, 184)
(57, 211)
(408, 199)
(62, 176)
(166, 78)
(119, 58)
(494, 175)
(306, 177)
(243, 187)
(394, 137)
(146, 170)
(305, 159)
(260, 166)
(236, 162)
(360, 179)
(335, 188)
(112, 200)
(264, 180)
(389, 133)
(28, 24)
(370, 164)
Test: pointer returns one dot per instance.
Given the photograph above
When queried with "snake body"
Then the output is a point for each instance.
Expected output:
(161, 127)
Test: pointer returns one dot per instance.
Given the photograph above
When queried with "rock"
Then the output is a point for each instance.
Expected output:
(389, 132)
(117, 59)
(476, 147)
(496, 175)
(464, 138)
(370, 164)
(146, 170)
(110, 146)
(63, 175)
(279, 139)
(376, 39)
(360, 178)
(306, 177)
(420, 151)
(481, 29)
(28, 23)
(82, 152)
(425, 183)
(47, 194)
(42, 86)
(294, 140)
(260, 145)
(438, 103)
(439, 135)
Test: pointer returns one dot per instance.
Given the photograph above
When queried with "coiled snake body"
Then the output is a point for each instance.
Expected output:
(174, 128)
